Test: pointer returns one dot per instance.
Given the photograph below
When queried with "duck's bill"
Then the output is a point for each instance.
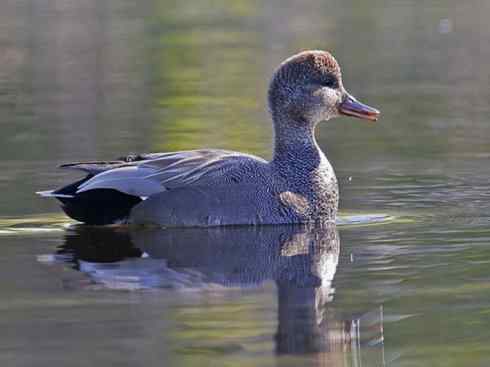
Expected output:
(352, 107)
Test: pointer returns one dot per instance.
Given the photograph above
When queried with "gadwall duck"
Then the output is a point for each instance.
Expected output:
(212, 187)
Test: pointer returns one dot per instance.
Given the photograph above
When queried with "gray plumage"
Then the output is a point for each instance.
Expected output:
(217, 187)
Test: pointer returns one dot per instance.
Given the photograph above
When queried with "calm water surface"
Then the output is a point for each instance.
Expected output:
(403, 280)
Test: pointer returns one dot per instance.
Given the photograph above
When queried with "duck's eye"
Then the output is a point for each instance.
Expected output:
(330, 81)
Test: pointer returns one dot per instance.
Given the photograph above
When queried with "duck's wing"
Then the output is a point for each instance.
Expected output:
(112, 188)
(146, 174)
(93, 168)
(198, 166)
(96, 167)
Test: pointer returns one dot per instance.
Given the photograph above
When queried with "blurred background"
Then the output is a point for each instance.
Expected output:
(99, 79)
(92, 79)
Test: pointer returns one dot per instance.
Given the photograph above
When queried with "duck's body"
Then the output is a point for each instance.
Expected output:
(200, 188)
(217, 187)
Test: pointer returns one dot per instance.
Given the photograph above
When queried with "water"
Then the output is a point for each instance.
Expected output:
(401, 281)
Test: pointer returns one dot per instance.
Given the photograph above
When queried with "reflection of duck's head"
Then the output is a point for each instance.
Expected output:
(307, 88)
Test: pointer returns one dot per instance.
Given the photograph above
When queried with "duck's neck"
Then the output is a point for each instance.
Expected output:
(295, 145)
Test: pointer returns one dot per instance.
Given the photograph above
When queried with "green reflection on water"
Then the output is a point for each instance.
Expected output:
(95, 80)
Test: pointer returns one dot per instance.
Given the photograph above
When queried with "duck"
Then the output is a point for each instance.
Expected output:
(215, 187)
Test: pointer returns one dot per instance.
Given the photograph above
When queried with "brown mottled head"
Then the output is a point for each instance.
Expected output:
(307, 88)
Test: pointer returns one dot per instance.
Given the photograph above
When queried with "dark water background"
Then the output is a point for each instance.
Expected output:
(98, 79)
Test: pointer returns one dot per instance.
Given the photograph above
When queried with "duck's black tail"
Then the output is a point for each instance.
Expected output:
(95, 207)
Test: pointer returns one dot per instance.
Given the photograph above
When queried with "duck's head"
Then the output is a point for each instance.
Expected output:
(307, 88)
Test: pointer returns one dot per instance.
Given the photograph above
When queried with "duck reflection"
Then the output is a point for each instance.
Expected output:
(301, 261)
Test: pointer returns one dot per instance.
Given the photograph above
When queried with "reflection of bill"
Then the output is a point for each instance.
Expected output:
(302, 262)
